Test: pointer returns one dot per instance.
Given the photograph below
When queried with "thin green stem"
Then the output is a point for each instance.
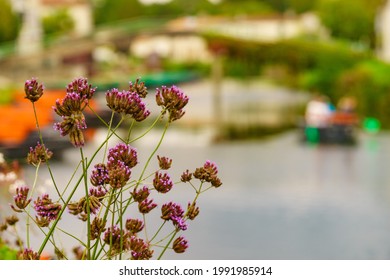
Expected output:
(41, 140)
(167, 245)
(52, 228)
(148, 130)
(29, 206)
(158, 231)
(85, 172)
(147, 163)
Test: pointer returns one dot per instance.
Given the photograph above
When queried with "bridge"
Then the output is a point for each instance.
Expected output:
(66, 57)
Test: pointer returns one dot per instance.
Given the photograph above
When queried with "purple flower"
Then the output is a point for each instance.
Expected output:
(139, 88)
(124, 153)
(208, 173)
(99, 175)
(128, 103)
(162, 182)
(186, 176)
(33, 90)
(174, 212)
(47, 209)
(118, 174)
(81, 87)
(141, 194)
(73, 120)
(28, 254)
(98, 192)
(38, 154)
(134, 225)
(164, 162)
(172, 100)
(21, 199)
(146, 205)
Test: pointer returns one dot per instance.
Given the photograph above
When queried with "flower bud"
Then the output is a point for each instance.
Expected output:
(33, 90)
(134, 225)
(180, 245)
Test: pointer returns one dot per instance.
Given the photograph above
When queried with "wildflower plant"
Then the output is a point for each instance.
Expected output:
(118, 192)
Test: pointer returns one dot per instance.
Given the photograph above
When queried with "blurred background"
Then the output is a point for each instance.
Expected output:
(289, 97)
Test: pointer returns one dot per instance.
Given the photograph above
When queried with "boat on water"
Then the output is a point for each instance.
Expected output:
(340, 129)
(18, 128)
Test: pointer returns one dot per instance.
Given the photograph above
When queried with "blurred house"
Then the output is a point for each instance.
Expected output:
(33, 11)
(383, 32)
(182, 42)
(79, 10)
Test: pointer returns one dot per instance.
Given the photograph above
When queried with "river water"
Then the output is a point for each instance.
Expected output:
(280, 199)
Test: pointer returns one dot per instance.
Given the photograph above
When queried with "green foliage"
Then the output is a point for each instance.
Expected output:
(335, 70)
(6, 95)
(350, 19)
(7, 253)
(9, 23)
(368, 82)
(58, 23)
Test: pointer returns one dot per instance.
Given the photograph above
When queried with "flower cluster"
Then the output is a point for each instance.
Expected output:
(81, 87)
(139, 88)
(116, 239)
(164, 162)
(134, 226)
(180, 245)
(73, 119)
(140, 250)
(140, 195)
(39, 154)
(97, 227)
(121, 159)
(162, 182)
(33, 90)
(99, 176)
(70, 109)
(28, 254)
(127, 103)
(81, 207)
(208, 173)
(21, 199)
(111, 189)
(172, 100)
(46, 209)
(174, 212)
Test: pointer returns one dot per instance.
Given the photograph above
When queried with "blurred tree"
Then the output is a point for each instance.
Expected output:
(109, 11)
(302, 6)
(9, 23)
(350, 19)
(60, 22)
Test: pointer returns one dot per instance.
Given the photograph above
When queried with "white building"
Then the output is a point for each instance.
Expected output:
(383, 32)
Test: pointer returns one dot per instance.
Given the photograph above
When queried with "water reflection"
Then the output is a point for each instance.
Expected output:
(285, 200)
